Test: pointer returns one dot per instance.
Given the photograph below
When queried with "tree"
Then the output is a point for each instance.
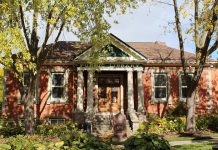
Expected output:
(20, 26)
(204, 32)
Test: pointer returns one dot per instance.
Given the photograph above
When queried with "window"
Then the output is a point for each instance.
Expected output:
(57, 86)
(183, 85)
(56, 121)
(23, 90)
(160, 86)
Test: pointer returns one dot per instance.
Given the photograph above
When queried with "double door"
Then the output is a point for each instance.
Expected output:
(109, 94)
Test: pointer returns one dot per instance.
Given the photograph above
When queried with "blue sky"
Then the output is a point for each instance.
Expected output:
(147, 23)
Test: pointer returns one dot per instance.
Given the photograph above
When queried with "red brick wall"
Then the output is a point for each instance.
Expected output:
(44, 110)
(203, 94)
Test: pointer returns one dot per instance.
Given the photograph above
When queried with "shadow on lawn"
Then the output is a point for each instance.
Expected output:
(200, 146)
(196, 136)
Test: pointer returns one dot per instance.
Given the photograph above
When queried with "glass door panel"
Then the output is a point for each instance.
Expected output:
(109, 94)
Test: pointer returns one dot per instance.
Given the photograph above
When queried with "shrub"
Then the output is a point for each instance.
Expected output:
(146, 142)
(82, 140)
(162, 125)
(73, 137)
(207, 122)
(179, 110)
(55, 130)
(21, 142)
(11, 131)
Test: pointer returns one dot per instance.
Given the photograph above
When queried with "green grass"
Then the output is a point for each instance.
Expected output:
(202, 146)
(185, 138)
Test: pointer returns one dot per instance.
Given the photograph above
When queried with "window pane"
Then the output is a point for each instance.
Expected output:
(103, 92)
(160, 80)
(58, 79)
(61, 121)
(160, 92)
(184, 92)
(185, 81)
(53, 121)
(114, 94)
(57, 92)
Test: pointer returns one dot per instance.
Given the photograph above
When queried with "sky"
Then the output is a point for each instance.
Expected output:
(147, 23)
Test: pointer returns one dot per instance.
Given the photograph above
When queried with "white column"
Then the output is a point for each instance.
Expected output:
(121, 96)
(140, 91)
(90, 92)
(80, 97)
(130, 97)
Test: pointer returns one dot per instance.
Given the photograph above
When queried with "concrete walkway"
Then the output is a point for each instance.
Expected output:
(174, 143)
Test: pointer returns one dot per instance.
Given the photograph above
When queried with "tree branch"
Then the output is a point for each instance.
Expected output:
(211, 31)
(34, 39)
(59, 32)
(213, 47)
(24, 27)
(196, 31)
(179, 31)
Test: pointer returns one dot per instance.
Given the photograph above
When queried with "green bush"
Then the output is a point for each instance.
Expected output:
(8, 131)
(81, 140)
(179, 110)
(73, 137)
(207, 122)
(55, 130)
(162, 125)
(21, 142)
(145, 141)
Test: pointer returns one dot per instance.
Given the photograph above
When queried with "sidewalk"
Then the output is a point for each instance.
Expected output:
(174, 143)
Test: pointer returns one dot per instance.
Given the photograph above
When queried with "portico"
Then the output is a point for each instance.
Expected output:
(114, 93)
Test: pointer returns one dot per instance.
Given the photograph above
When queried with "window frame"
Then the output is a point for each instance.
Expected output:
(57, 121)
(64, 99)
(183, 99)
(20, 99)
(62, 86)
(164, 99)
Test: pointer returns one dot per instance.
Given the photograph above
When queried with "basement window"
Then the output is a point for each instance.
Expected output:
(56, 121)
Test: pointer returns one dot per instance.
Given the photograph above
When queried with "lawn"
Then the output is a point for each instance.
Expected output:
(200, 136)
(202, 146)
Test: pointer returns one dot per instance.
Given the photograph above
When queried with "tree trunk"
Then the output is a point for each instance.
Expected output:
(29, 106)
(191, 105)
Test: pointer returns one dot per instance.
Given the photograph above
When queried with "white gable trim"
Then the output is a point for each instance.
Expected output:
(133, 54)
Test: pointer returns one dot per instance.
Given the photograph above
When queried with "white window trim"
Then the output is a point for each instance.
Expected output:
(182, 99)
(20, 100)
(154, 99)
(64, 99)
(57, 120)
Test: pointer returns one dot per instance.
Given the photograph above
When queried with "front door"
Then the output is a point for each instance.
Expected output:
(109, 94)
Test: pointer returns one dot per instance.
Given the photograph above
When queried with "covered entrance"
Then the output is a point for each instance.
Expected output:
(110, 92)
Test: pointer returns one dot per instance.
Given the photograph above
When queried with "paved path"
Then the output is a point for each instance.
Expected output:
(173, 143)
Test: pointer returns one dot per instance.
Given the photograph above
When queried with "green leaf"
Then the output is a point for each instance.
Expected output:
(59, 144)
(5, 146)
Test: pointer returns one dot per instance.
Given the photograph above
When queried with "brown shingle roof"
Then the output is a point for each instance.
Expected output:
(154, 51)
(66, 50)
(159, 51)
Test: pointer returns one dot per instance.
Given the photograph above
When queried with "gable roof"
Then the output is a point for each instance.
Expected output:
(65, 50)
(154, 52)
(117, 43)
(160, 52)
